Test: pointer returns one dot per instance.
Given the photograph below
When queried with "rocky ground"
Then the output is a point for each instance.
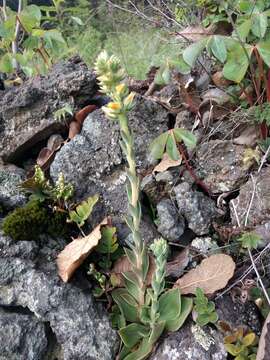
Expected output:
(43, 318)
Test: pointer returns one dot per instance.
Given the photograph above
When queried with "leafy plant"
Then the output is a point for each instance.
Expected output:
(205, 309)
(41, 189)
(145, 313)
(25, 44)
(108, 247)
(83, 211)
(60, 114)
(249, 240)
(167, 142)
(242, 344)
(257, 295)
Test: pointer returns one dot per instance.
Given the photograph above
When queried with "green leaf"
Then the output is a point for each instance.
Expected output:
(132, 285)
(158, 77)
(171, 147)
(186, 307)
(244, 29)
(6, 65)
(186, 136)
(77, 20)
(181, 65)
(193, 51)
(170, 305)
(30, 17)
(157, 147)
(108, 243)
(237, 64)
(218, 48)
(83, 210)
(142, 352)
(264, 50)
(259, 25)
(133, 333)
(157, 331)
(250, 240)
(127, 304)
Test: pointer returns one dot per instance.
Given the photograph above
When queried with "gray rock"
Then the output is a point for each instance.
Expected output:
(10, 177)
(221, 165)
(29, 278)
(171, 223)
(21, 337)
(198, 209)
(191, 342)
(93, 161)
(184, 120)
(239, 314)
(157, 187)
(205, 245)
(261, 202)
(27, 111)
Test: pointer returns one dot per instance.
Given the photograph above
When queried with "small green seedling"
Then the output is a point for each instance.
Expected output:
(60, 114)
(249, 240)
(205, 309)
(242, 344)
(83, 211)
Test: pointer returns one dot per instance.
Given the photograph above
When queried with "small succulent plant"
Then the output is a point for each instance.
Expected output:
(145, 312)
(204, 309)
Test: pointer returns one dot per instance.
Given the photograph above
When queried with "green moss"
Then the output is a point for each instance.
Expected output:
(33, 219)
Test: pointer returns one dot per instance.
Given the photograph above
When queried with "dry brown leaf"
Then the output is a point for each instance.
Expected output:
(82, 114)
(211, 275)
(166, 163)
(195, 33)
(123, 265)
(263, 352)
(77, 251)
(74, 129)
(45, 158)
(219, 80)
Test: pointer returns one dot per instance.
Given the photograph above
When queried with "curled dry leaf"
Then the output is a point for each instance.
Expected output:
(211, 275)
(123, 265)
(45, 157)
(54, 142)
(82, 114)
(74, 129)
(166, 163)
(263, 352)
(77, 251)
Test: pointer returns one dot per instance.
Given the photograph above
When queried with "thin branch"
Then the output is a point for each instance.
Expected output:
(16, 35)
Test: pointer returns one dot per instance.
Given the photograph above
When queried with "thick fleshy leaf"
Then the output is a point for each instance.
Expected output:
(157, 331)
(142, 352)
(127, 304)
(171, 147)
(133, 333)
(186, 307)
(193, 51)
(157, 147)
(186, 136)
(218, 48)
(259, 25)
(170, 305)
(264, 50)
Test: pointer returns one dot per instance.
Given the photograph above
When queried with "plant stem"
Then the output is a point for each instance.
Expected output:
(134, 204)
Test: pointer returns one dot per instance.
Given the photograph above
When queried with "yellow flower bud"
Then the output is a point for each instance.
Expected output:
(114, 106)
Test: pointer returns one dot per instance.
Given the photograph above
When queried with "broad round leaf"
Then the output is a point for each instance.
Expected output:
(157, 147)
(186, 136)
(171, 147)
(170, 305)
(259, 25)
(218, 48)
(264, 50)
(193, 51)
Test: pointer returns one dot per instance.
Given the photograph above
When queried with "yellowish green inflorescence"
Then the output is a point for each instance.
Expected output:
(145, 312)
